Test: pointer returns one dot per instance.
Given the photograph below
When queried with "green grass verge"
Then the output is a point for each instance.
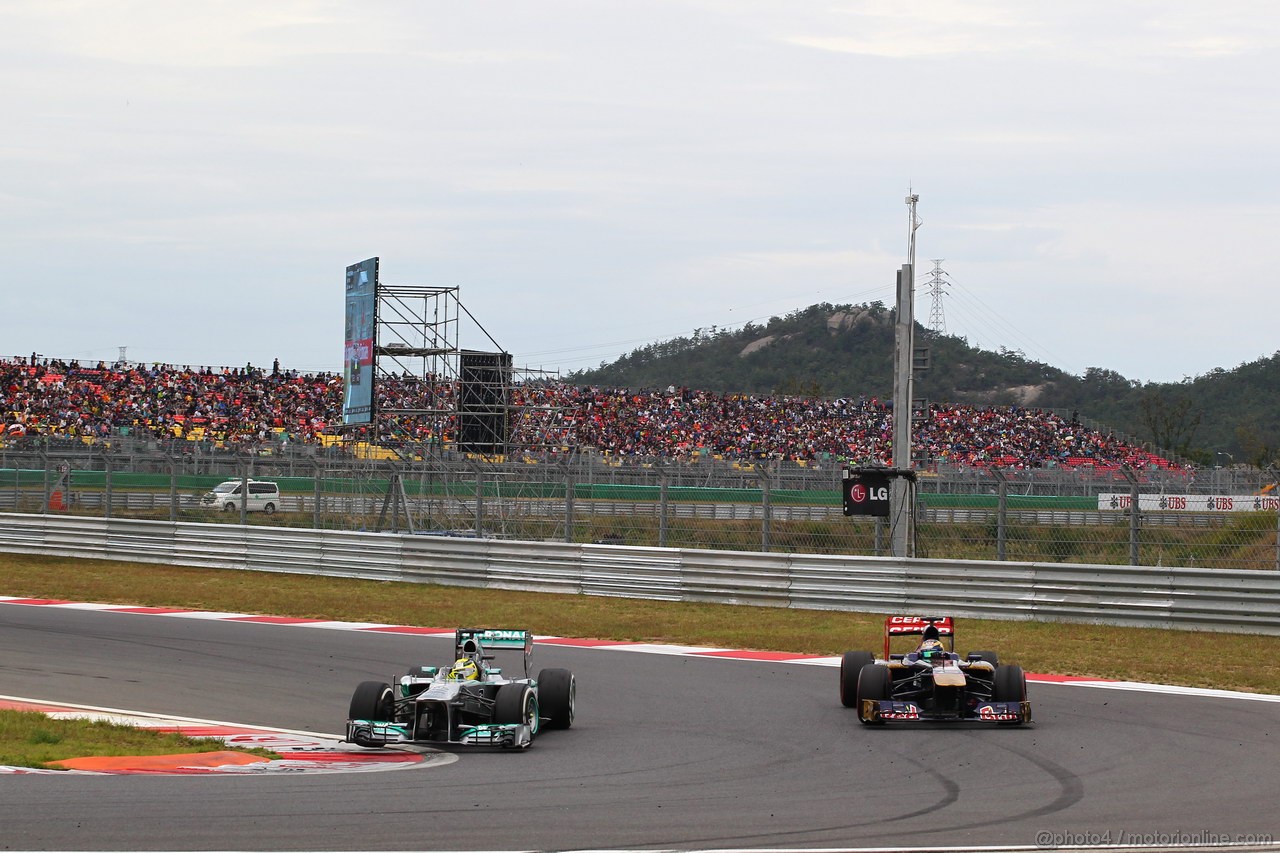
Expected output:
(32, 739)
(1196, 659)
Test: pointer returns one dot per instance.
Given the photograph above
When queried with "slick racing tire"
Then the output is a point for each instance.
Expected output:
(850, 665)
(373, 700)
(557, 696)
(873, 683)
(990, 657)
(517, 703)
(1009, 685)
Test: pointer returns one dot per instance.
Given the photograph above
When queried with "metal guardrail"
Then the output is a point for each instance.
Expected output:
(1182, 598)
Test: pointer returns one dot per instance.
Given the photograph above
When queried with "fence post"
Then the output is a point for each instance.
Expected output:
(106, 491)
(316, 475)
(664, 482)
(244, 493)
(48, 492)
(1002, 513)
(568, 502)
(479, 501)
(1134, 516)
(173, 488)
(765, 508)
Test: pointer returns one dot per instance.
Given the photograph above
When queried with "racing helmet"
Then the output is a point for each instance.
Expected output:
(931, 650)
(464, 669)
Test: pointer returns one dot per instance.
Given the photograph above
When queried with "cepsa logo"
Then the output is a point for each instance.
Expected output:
(908, 712)
(987, 712)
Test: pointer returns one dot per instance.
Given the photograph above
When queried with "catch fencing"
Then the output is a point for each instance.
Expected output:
(1182, 598)
(1159, 517)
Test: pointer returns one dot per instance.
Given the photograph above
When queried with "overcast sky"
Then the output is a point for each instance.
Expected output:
(190, 180)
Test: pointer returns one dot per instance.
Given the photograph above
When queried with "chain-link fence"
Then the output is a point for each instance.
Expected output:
(1223, 518)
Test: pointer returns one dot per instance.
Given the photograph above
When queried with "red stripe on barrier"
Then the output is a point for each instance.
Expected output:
(276, 620)
(407, 629)
(203, 731)
(37, 601)
(362, 757)
(745, 655)
(153, 611)
(586, 644)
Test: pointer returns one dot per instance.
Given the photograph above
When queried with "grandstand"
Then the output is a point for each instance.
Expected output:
(250, 406)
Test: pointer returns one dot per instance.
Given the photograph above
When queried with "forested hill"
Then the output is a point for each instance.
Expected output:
(834, 351)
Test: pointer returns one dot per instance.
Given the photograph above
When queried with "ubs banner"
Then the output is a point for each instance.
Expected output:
(866, 493)
(1191, 503)
(357, 359)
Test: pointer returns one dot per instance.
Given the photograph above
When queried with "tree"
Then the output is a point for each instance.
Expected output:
(1172, 420)
(1261, 446)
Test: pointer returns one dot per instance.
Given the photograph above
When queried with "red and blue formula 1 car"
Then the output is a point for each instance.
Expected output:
(469, 703)
(932, 682)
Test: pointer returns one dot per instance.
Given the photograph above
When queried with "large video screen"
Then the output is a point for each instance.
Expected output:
(357, 359)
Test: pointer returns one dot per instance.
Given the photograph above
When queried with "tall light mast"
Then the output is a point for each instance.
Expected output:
(901, 507)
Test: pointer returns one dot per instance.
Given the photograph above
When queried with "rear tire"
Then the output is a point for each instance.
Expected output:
(990, 657)
(517, 703)
(873, 683)
(557, 696)
(850, 665)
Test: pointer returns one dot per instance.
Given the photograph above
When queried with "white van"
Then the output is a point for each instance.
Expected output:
(263, 496)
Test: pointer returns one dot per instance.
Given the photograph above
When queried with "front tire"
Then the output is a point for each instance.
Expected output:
(269, 509)
(517, 703)
(850, 665)
(873, 683)
(1009, 685)
(557, 696)
(372, 700)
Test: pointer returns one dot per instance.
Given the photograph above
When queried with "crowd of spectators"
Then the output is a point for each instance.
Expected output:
(259, 405)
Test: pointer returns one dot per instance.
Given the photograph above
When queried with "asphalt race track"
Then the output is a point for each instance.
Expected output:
(667, 752)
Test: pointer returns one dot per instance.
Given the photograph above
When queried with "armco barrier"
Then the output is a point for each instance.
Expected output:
(1165, 597)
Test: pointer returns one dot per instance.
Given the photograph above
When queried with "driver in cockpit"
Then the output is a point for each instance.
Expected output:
(464, 669)
(930, 650)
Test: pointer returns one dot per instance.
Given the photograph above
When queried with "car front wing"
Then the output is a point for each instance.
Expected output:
(505, 735)
(986, 712)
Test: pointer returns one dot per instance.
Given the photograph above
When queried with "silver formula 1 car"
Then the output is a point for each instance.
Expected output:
(932, 682)
(468, 703)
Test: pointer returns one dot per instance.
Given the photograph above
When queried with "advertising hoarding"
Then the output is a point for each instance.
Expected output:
(357, 359)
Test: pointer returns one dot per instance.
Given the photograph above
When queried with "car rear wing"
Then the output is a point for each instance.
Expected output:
(907, 626)
(468, 641)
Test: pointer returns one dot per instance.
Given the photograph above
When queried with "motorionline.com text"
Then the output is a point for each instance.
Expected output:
(1049, 840)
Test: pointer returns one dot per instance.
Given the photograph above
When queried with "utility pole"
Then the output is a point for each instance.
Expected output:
(937, 322)
(901, 505)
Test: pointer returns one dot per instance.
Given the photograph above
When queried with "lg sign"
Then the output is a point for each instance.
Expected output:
(866, 494)
(860, 493)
